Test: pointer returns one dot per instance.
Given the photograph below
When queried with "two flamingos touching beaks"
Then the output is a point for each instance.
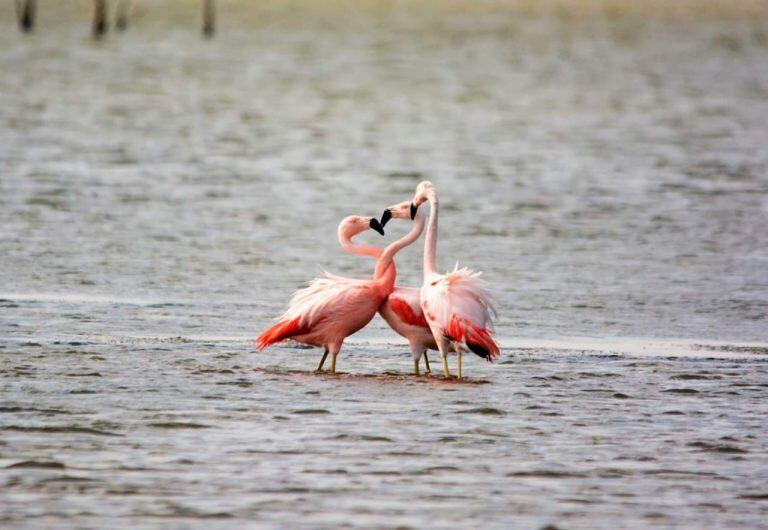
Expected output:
(451, 312)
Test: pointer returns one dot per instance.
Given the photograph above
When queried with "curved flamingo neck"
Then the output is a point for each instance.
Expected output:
(358, 248)
(386, 261)
(430, 242)
(367, 250)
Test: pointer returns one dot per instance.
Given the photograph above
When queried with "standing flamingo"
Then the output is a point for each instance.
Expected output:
(402, 308)
(332, 308)
(457, 305)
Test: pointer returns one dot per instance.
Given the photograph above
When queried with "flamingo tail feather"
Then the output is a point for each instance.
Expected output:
(281, 331)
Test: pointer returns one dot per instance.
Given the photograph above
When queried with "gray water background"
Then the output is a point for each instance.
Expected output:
(162, 195)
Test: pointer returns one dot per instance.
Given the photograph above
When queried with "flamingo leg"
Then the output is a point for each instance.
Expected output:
(417, 350)
(335, 348)
(459, 365)
(426, 362)
(442, 345)
(322, 361)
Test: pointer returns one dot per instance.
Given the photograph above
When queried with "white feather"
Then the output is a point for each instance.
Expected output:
(459, 293)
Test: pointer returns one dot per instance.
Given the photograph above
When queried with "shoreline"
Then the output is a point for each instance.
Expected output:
(591, 346)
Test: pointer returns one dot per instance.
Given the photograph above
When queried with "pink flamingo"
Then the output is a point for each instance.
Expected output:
(457, 305)
(332, 308)
(402, 308)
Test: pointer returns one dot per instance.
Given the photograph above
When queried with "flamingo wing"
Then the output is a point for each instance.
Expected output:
(283, 330)
(326, 298)
(405, 304)
(459, 306)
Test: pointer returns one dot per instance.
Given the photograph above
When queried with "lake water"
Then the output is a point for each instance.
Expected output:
(162, 195)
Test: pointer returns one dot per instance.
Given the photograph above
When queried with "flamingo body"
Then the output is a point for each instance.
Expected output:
(458, 307)
(326, 312)
(402, 311)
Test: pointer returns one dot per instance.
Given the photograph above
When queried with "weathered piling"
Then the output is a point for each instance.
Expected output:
(209, 18)
(121, 14)
(99, 25)
(25, 12)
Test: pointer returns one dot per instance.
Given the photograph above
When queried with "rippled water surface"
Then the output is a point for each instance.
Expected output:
(161, 196)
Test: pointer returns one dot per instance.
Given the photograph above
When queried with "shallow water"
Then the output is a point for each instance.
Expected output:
(161, 196)
(169, 434)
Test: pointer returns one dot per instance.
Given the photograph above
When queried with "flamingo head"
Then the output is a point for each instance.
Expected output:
(397, 211)
(355, 224)
(424, 192)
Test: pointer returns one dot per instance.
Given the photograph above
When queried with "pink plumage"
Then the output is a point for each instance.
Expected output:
(401, 303)
(458, 305)
(402, 309)
(331, 308)
(327, 311)
(282, 331)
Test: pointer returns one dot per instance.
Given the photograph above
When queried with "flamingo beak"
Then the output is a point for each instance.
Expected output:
(376, 225)
(385, 217)
(414, 209)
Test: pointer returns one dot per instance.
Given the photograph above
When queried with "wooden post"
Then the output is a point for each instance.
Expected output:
(25, 11)
(209, 18)
(121, 17)
(99, 26)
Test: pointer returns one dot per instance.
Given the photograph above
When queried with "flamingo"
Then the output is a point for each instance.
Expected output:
(402, 308)
(457, 305)
(331, 308)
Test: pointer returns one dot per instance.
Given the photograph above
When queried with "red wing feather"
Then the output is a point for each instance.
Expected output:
(455, 330)
(281, 331)
(479, 340)
(406, 313)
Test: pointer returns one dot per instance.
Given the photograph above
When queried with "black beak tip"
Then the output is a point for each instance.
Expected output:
(385, 217)
(376, 225)
(414, 209)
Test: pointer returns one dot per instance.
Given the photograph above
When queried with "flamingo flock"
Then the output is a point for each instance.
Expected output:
(450, 312)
